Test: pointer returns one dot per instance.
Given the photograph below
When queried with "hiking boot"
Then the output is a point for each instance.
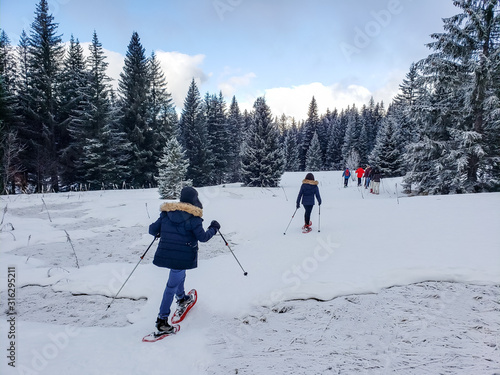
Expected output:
(163, 326)
(186, 300)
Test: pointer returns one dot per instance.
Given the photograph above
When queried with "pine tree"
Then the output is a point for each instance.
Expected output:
(235, 125)
(291, 150)
(218, 137)
(10, 148)
(74, 97)
(134, 90)
(172, 169)
(387, 152)
(310, 128)
(263, 161)
(314, 157)
(324, 130)
(336, 141)
(194, 137)
(463, 72)
(45, 54)
(353, 130)
(162, 119)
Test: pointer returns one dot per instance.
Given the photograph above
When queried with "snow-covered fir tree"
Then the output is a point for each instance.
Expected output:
(236, 130)
(218, 137)
(387, 152)
(291, 150)
(162, 119)
(134, 90)
(462, 74)
(74, 101)
(172, 169)
(314, 157)
(45, 56)
(10, 147)
(308, 130)
(263, 161)
(194, 137)
(352, 133)
(335, 141)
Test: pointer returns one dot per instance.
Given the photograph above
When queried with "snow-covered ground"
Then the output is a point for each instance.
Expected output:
(390, 284)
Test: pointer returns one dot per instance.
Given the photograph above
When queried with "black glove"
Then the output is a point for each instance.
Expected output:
(298, 205)
(214, 224)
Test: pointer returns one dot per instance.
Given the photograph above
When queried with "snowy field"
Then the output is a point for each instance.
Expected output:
(389, 285)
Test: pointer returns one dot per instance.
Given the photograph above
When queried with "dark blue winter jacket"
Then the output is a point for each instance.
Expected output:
(308, 190)
(180, 228)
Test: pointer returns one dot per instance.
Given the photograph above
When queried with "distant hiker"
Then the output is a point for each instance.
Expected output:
(368, 170)
(359, 173)
(375, 177)
(179, 228)
(308, 190)
(346, 176)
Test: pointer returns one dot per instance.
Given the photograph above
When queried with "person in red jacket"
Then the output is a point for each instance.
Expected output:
(359, 173)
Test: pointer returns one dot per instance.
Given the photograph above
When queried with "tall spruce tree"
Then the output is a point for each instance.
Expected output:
(336, 141)
(353, 130)
(291, 149)
(194, 137)
(314, 157)
(386, 155)
(10, 146)
(134, 90)
(74, 98)
(235, 125)
(263, 161)
(310, 128)
(45, 54)
(218, 137)
(162, 119)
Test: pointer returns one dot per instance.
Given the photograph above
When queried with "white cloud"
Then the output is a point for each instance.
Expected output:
(232, 84)
(294, 101)
(179, 70)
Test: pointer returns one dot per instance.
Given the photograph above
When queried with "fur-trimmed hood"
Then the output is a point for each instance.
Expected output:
(310, 182)
(181, 206)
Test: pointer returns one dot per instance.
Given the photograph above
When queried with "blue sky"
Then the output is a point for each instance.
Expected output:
(340, 51)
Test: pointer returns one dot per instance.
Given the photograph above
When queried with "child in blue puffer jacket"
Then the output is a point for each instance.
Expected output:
(308, 191)
(179, 228)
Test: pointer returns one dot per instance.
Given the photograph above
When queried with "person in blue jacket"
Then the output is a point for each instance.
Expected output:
(346, 175)
(179, 228)
(308, 191)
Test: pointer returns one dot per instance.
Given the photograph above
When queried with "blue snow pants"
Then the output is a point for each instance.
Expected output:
(175, 286)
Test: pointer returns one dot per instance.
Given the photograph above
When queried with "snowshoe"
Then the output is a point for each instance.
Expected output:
(184, 306)
(159, 335)
(307, 228)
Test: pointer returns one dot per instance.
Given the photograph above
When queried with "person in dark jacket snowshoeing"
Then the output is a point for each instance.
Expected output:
(179, 228)
(308, 191)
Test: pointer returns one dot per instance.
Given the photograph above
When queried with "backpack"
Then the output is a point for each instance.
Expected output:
(347, 173)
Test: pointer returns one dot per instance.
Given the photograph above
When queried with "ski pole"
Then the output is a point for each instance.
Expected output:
(319, 218)
(142, 257)
(244, 272)
(291, 220)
